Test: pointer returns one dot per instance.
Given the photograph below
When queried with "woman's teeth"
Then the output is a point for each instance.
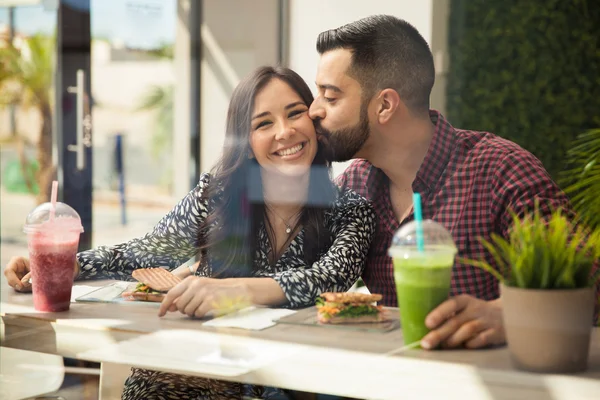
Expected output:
(291, 150)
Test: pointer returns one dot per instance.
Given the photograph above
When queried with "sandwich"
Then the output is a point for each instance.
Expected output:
(153, 284)
(349, 308)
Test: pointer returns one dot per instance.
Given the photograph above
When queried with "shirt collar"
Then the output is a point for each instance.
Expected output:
(439, 153)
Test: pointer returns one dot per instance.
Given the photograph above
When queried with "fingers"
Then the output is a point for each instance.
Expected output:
(483, 339)
(168, 302)
(189, 308)
(15, 270)
(465, 333)
(446, 310)
(203, 309)
(26, 282)
(477, 323)
(434, 338)
(196, 297)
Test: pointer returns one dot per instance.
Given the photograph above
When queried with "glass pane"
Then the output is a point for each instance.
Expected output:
(133, 81)
(27, 66)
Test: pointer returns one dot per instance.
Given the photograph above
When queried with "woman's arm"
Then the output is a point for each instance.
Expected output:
(353, 228)
(173, 241)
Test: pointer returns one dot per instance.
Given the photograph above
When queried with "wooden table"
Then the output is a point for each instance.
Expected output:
(324, 360)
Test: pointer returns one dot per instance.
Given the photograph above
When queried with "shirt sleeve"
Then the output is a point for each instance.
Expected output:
(519, 182)
(173, 241)
(340, 267)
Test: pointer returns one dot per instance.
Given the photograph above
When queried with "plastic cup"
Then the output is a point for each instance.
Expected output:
(53, 238)
(422, 276)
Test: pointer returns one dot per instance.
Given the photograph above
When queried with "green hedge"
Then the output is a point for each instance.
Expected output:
(527, 70)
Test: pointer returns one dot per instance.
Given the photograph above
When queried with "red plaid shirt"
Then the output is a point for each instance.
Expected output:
(468, 181)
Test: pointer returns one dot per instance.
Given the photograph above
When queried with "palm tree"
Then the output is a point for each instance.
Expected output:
(582, 179)
(159, 99)
(26, 78)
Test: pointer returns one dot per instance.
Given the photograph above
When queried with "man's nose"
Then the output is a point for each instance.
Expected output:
(316, 111)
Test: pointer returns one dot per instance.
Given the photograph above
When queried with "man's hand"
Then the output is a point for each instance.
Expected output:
(196, 296)
(465, 321)
(17, 274)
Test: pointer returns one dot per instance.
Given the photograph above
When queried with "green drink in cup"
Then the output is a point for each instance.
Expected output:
(423, 256)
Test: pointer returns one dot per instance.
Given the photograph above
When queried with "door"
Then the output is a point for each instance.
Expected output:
(116, 106)
(118, 72)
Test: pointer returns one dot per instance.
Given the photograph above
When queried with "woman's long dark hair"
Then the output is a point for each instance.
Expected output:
(231, 231)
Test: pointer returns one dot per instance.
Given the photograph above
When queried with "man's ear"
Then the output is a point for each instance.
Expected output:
(388, 102)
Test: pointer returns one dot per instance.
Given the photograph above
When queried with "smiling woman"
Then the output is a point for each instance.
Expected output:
(267, 222)
(283, 136)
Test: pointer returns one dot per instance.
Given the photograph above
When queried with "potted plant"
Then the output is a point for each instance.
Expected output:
(547, 290)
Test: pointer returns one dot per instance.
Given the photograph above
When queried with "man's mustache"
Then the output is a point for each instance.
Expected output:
(320, 131)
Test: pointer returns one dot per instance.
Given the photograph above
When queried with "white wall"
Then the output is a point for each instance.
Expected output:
(308, 18)
(243, 36)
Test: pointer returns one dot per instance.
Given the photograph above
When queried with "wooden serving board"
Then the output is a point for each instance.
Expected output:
(308, 317)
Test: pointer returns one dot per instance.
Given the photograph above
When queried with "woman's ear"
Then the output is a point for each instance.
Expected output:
(388, 102)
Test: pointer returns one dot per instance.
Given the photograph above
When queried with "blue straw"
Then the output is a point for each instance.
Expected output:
(419, 221)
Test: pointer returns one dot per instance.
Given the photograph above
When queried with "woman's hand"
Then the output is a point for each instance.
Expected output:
(17, 269)
(18, 273)
(197, 296)
(184, 271)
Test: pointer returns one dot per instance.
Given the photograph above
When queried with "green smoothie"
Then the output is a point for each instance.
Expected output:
(422, 283)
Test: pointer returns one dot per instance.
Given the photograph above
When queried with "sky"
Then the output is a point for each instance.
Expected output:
(135, 23)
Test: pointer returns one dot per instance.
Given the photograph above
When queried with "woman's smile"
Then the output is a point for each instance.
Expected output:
(291, 152)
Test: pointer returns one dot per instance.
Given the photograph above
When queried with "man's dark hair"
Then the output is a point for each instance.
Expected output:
(387, 52)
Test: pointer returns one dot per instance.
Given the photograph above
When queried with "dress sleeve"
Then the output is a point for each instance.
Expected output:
(173, 241)
(353, 227)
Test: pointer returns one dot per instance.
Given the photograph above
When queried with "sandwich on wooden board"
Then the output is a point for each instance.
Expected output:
(349, 308)
(153, 284)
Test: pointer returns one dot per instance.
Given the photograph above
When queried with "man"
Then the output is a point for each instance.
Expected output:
(374, 81)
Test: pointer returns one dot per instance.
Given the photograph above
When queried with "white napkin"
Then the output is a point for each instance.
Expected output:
(250, 318)
(81, 290)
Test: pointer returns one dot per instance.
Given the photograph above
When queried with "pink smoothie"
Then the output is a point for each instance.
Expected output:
(52, 255)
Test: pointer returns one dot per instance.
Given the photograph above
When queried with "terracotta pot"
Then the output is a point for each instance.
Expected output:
(548, 330)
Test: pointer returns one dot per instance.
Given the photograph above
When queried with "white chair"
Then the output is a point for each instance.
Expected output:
(25, 374)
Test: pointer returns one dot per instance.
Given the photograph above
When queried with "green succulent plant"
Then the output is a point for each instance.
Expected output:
(543, 253)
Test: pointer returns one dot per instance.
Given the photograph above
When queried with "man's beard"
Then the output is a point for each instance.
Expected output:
(346, 142)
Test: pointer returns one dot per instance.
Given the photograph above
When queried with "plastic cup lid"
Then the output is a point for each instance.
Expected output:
(65, 218)
(436, 239)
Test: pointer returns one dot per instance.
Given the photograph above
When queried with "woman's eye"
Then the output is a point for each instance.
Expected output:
(329, 99)
(295, 113)
(262, 124)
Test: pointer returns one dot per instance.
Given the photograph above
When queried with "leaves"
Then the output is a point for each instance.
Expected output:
(526, 70)
(26, 74)
(582, 179)
(543, 254)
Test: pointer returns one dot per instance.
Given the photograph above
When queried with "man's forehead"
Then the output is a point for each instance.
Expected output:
(333, 66)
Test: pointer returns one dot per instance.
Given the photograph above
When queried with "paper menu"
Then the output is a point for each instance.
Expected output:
(111, 293)
(81, 290)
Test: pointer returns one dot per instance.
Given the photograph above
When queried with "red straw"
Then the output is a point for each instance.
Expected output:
(53, 198)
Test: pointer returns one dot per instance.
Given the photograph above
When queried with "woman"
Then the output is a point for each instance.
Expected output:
(267, 223)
